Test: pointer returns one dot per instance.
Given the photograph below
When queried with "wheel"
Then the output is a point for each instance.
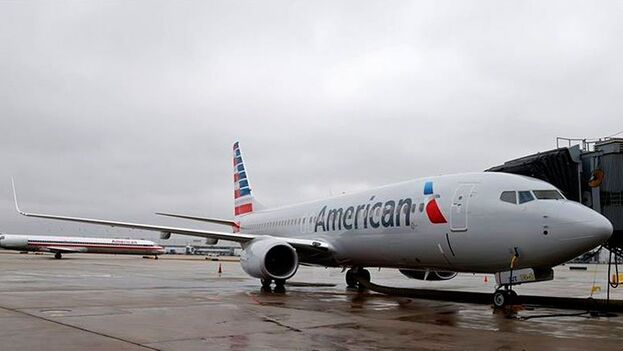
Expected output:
(156, 257)
(351, 281)
(503, 298)
(280, 286)
(266, 285)
(266, 282)
(511, 298)
(58, 255)
(363, 274)
(499, 299)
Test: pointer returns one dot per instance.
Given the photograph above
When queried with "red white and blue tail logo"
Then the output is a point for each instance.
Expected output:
(243, 200)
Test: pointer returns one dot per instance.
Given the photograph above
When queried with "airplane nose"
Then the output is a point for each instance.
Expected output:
(585, 224)
(601, 227)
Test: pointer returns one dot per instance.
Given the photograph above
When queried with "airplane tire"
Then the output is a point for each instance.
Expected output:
(280, 287)
(365, 275)
(266, 282)
(351, 281)
(58, 255)
(502, 298)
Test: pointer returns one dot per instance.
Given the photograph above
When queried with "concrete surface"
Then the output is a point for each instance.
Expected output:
(102, 302)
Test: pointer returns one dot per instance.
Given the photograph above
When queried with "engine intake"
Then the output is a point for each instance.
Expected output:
(269, 258)
(425, 274)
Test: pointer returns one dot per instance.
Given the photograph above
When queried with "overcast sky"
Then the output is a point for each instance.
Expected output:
(117, 109)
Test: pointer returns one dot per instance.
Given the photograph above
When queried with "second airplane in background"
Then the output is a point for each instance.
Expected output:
(59, 245)
(430, 228)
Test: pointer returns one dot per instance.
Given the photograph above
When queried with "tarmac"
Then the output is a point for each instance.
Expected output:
(106, 302)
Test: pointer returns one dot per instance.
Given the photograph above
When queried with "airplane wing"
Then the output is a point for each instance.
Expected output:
(316, 245)
(203, 219)
(62, 249)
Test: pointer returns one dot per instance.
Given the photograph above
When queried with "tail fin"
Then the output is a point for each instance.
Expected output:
(244, 202)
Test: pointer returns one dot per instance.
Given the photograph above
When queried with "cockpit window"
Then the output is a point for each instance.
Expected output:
(548, 194)
(1, 237)
(509, 196)
(525, 196)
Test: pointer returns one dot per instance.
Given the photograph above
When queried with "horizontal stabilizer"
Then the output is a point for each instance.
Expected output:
(202, 219)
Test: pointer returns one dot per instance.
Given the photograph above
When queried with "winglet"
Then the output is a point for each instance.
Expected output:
(15, 197)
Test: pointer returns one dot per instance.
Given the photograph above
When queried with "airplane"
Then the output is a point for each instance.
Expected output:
(429, 228)
(60, 245)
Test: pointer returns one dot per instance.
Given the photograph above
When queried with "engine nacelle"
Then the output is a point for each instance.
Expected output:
(211, 241)
(165, 235)
(426, 274)
(269, 258)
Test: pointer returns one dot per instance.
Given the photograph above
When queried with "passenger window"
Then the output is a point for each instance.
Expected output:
(548, 195)
(525, 196)
(509, 196)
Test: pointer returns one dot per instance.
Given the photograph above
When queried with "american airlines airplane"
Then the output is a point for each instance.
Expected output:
(72, 244)
(430, 228)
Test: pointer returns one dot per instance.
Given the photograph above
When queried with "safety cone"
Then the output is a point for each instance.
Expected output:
(220, 269)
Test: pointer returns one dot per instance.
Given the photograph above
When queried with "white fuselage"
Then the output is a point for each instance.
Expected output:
(469, 229)
(69, 244)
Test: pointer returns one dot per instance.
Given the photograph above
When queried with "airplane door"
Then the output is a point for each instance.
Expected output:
(458, 213)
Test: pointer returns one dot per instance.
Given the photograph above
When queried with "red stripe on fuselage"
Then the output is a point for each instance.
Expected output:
(111, 246)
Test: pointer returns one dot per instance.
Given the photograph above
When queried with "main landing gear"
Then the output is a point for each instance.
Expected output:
(352, 276)
(58, 256)
(280, 287)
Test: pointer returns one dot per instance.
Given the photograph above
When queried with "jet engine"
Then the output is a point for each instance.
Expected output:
(211, 241)
(426, 274)
(269, 258)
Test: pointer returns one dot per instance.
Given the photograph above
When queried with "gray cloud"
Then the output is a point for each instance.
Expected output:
(119, 109)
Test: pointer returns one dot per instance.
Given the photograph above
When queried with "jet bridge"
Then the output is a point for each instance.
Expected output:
(587, 171)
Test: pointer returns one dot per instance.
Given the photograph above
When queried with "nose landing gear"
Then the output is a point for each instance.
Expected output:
(504, 297)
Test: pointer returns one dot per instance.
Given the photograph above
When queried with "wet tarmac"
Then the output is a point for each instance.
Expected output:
(101, 302)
